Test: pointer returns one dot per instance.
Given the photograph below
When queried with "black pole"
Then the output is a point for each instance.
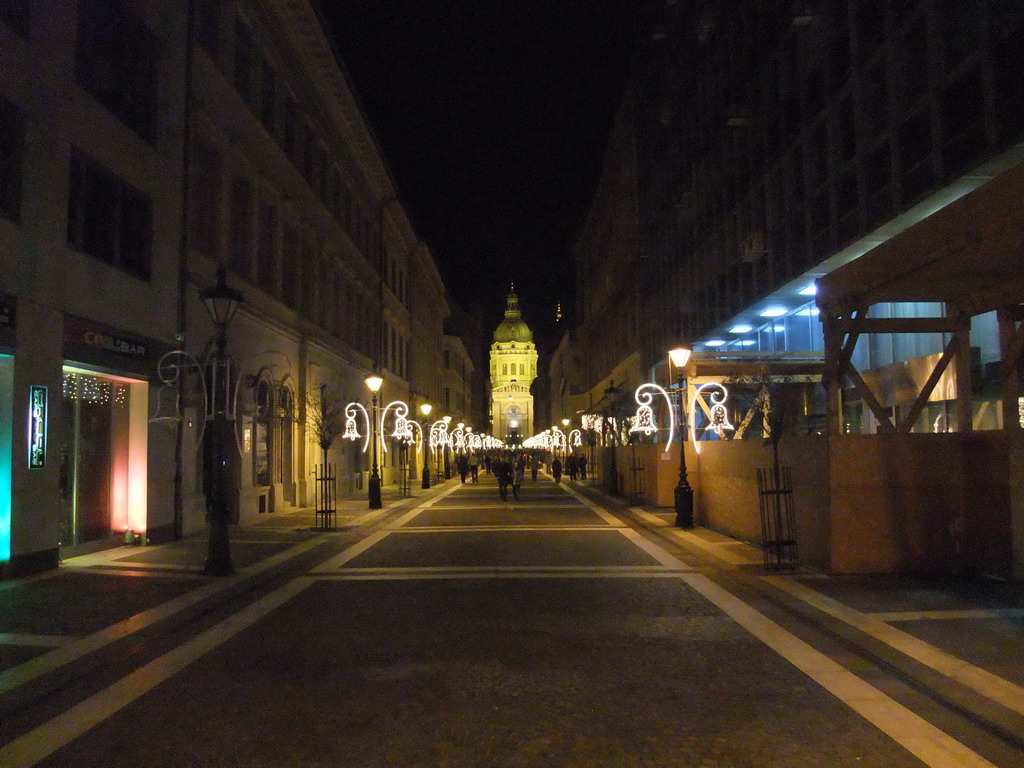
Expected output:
(684, 493)
(426, 465)
(218, 558)
(375, 499)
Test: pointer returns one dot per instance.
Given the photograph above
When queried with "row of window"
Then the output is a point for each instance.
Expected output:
(274, 104)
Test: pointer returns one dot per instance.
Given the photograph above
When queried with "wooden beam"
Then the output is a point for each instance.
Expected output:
(869, 397)
(1013, 348)
(910, 325)
(1011, 341)
(904, 425)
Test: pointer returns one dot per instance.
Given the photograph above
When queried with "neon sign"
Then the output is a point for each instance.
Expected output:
(37, 398)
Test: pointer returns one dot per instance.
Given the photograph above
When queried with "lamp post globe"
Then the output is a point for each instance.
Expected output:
(680, 356)
(373, 383)
(425, 409)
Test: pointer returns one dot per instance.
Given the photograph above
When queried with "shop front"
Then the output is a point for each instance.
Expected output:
(103, 450)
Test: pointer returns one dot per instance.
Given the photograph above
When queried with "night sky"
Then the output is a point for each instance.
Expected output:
(493, 117)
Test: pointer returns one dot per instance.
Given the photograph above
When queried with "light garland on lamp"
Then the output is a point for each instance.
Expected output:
(718, 415)
(575, 438)
(402, 430)
(644, 421)
(351, 431)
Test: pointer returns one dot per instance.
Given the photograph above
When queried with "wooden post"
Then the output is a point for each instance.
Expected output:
(962, 373)
(1011, 341)
(832, 378)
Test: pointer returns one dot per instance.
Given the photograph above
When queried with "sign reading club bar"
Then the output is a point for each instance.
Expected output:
(37, 427)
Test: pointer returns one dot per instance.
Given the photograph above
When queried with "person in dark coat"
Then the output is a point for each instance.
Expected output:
(462, 464)
(503, 473)
(582, 464)
(556, 469)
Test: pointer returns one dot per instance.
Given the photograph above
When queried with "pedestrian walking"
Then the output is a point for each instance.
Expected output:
(582, 464)
(462, 465)
(570, 466)
(503, 473)
(534, 467)
(556, 469)
(474, 465)
(517, 477)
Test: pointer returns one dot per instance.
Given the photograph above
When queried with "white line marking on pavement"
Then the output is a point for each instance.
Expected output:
(653, 550)
(40, 743)
(48, 662)
(626, 573)
(35, 641)
(604, 514)
(355, 550)
(967, 613)
(420, 508)
(472, 570)
(500, 528)
(926, 742)
(991, 686)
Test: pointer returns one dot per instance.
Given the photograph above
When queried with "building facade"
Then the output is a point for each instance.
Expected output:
(760, 154)
(513, 369)
(139, 153)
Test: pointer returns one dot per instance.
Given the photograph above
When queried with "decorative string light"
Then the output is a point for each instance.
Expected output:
(643, 420)
(351, 432)
(718, 415)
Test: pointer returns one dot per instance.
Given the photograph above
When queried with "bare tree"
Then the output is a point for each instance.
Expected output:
(325, 417)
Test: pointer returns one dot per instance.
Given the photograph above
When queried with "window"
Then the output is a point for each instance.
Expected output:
(268, 99)
(245, 51)
(12, 146)
(204, 199)
(266, 239)
(291, 267)
(15, 13)
(290, 129)
(108, 218)
(208, 26)
(240, 246)
(117, 61)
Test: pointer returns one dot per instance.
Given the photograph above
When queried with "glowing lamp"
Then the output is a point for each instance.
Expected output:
(426, 408)
(774, 312)
(373, 383)
(680, 356)
(220, 300)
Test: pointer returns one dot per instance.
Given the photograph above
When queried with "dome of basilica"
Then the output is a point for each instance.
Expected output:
(512, 328)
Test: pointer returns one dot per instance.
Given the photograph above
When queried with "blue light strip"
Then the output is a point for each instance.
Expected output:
(6, 417)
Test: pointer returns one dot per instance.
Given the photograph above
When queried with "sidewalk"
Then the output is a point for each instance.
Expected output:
(962, 639)
(115, 589)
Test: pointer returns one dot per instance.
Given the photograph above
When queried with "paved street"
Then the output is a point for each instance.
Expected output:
(455, 629)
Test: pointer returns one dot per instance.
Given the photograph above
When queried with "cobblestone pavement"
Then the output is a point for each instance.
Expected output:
(455, 629)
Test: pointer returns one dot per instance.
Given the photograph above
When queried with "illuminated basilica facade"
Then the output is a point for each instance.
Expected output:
(513, 369)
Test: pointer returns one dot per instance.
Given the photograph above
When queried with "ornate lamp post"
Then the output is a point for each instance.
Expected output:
(611, 394)
(221, 302)
(565, 438)
(447, 463)
(425, 409)
(373, 383)
(684, 493)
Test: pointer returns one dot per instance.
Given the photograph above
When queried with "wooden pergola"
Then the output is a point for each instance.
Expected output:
(969, 256)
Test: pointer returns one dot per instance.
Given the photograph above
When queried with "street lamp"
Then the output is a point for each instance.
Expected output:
(565, 430)
(684, 493)
(221, 302)
(373, 383)
(447, 445)
(611, 394)
(425, 409)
